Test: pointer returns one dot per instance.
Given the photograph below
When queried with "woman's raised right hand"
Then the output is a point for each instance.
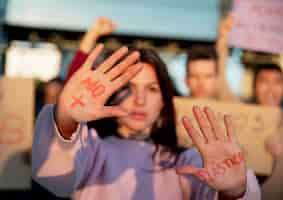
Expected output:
(84, 96)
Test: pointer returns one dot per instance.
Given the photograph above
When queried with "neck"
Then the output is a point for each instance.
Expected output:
(125, 132)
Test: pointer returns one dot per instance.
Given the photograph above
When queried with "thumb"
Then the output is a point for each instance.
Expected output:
(187, 170)
(114, 111)
(201, 173)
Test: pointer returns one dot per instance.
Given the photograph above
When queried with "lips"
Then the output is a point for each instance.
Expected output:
(138, 115)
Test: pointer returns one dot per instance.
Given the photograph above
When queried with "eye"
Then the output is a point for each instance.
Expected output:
(132, 87)
(154, 89)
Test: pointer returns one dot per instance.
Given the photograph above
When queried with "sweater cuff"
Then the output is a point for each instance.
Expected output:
(252, 190)
(59, 135)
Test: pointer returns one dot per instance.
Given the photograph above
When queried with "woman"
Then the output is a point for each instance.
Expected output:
(140, 158)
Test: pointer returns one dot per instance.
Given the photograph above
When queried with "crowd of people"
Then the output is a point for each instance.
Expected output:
(108, 131)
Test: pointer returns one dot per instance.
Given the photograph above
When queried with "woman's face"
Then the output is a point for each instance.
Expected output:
(269, 88)
(144, 104)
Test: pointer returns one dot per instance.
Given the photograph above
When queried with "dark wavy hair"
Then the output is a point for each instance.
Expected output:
(164, 134)
(257, 69)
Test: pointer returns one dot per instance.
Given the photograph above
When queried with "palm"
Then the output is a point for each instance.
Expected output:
(224, 165)
(86, 93)
(215, 155)
(80, 101)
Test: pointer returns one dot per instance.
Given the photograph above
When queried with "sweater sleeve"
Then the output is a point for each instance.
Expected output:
(79, 59)
(60, 165)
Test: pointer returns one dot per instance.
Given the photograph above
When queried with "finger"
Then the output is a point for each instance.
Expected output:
(107, 21)
(218, 132)
(114, 111)
(107, 26)
(121, 67)
(115, 57)
(126, 76)
(203, 124)
(104, 19)
(201, 173)
(187, 170)
(93, 55)
(230, 128)
(197, 139)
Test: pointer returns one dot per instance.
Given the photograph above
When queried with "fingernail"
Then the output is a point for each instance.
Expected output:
(124, 49)
(185, 119)
(139, 66)
(136, 54)
(207, 109)
(228, 117)
(100, 45)
(196, 108)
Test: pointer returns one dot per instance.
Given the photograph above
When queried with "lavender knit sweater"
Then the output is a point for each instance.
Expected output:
(90, 168)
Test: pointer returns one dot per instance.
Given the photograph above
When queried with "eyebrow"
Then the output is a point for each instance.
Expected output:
(153, 83)
(149, 83)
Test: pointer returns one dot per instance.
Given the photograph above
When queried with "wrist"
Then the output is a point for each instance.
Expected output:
(65, 124)
(88, 41)
(222, 47)
(94, 33)
(233, 194)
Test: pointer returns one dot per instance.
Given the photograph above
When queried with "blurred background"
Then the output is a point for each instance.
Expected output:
(39, 39)
(169, 26)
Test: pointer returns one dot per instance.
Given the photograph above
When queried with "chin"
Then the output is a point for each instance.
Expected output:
(137, 127)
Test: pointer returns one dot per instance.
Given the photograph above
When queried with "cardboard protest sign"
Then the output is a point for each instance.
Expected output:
(258, 25)
(16, 127)
(253, 125)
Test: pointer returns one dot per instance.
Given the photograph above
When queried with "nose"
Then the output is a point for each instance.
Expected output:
(140, 97)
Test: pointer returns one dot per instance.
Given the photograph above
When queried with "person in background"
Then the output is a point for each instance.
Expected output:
(272, 188)
(47, 93)
(202, 72)
(52, 90)
(268, 85)
(268, 91)
(103, 26)
(206, 67)
(224, 91)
